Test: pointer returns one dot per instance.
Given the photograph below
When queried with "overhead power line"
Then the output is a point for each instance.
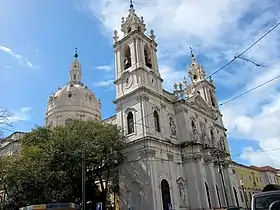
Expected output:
(248, 91)
(248, 48)
(248, 60)
(238, 56)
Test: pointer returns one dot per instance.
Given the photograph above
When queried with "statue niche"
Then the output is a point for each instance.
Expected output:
(182, 191)
(172, 126)
(195, 133)
(127, 57)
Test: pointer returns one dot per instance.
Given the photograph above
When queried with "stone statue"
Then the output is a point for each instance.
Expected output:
(172, 126)
(195, 133)
(182, 192)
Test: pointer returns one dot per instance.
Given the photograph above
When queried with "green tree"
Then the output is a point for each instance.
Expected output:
(4, 119)
(48, 168)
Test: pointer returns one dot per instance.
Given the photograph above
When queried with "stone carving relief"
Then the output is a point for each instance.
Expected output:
(181, 184)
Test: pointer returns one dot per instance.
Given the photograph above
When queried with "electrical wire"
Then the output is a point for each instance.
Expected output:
(248, 91)
(236, 57)
(247, 49)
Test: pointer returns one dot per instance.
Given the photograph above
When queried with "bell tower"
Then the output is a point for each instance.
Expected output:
(202, 86)
(199, 84)
(135, 56)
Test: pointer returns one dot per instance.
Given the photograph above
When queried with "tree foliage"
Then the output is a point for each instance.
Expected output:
(4, 118)
(49, 166)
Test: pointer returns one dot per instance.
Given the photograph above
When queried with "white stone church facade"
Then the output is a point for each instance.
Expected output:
(177, 154)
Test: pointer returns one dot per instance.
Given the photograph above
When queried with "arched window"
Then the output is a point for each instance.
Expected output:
(130, 123)
(218, 194)
(165, 191)
(68, 121)
(156, 120)
(75, 76)
(212, 99)
(127, 57)
(235, 195)
(208, 195)
(212, 137)
(148, 56)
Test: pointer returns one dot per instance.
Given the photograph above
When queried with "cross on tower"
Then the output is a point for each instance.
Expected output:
(131, 4)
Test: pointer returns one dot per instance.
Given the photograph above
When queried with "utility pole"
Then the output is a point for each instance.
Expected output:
(83, 182)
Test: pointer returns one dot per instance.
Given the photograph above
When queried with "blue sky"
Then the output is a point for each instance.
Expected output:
(38, 39)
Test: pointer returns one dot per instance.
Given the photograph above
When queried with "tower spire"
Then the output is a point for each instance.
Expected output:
(192, 55)
(75, 74)
(76, 53)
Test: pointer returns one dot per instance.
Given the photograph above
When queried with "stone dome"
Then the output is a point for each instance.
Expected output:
(73, 101)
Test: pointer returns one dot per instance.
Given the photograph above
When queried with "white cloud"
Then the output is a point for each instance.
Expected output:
(217, 30)
(21, 115)
(105, 83)
(170, 76)
(21, 59)
(104, 68)
(6, 66)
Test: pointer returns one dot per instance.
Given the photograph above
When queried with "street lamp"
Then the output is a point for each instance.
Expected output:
(245, 197)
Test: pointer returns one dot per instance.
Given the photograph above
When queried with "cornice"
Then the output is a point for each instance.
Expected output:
(145, 90)
(138, 35)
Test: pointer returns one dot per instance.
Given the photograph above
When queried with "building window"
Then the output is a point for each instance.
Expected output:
(165, 191)
(130, 123)
(148, 57)
(212, 99)
(156, 121)
(208, 195)
(127, 57)
(74, 76)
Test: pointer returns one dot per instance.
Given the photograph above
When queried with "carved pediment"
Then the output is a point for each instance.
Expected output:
(199, 103)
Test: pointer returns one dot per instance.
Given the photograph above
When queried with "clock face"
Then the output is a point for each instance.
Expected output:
(127, 82)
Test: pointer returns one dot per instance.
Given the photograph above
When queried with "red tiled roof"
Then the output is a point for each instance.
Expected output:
(265, 168)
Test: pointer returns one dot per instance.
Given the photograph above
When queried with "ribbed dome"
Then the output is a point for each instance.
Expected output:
(73, 101)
